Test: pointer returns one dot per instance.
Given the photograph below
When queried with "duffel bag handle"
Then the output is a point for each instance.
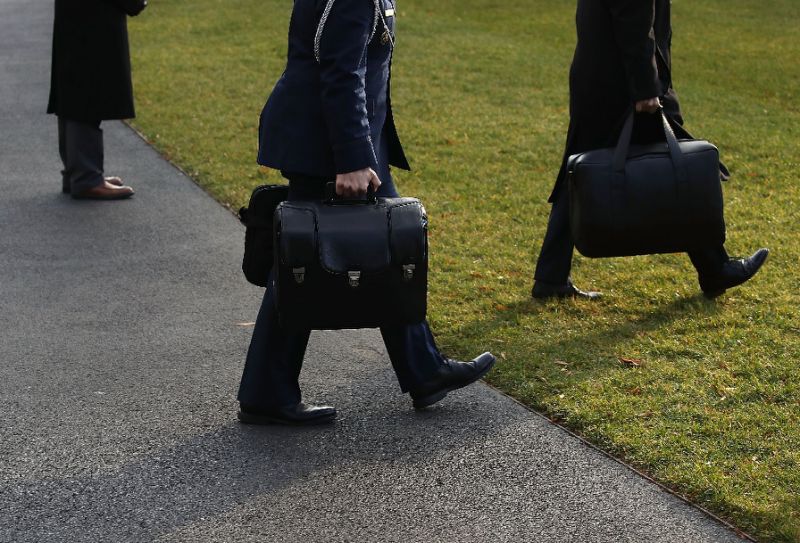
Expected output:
(331, 198)
(624, 144)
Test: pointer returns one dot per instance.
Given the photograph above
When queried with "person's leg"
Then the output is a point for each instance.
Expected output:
(421, 369)
(412, 350)
(709, 262)
(717, 272)
(551, 279)
(83, 151)
(274, 361)
(62, 153)
(555, 258)
(269, 391)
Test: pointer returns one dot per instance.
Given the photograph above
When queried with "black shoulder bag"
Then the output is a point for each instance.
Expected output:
(646, 199)
(257, 218)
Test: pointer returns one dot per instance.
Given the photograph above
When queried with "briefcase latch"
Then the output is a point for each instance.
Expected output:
(299, 275)
(354, 277)
(408, 272)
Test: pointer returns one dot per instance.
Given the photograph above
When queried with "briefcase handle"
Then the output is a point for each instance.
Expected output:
(624, 144)
(332, 199)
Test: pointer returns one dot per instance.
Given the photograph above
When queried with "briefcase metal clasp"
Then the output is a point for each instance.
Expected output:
(354, 278)
(299, 275)
(408, 272)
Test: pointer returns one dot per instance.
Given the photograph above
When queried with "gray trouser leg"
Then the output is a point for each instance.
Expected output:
(80, 145)
(62, 152)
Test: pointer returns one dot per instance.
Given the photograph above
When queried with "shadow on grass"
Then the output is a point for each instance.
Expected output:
(607, 338)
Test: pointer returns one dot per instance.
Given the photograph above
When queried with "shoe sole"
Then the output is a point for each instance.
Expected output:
(68, 190)
(102, 198)
(565, 297)
(431, 399)
(266, 420)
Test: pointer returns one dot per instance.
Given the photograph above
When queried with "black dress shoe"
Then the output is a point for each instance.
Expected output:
(295, 415)
(734, 272)
(452, 375)
(542, 291)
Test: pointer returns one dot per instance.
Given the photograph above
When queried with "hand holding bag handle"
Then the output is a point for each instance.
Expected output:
(332, 199)
(624, 144)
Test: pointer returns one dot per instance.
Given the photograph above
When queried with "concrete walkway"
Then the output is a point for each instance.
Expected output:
(121, 346)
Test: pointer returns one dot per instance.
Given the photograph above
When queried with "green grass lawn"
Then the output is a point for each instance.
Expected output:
(480, 94)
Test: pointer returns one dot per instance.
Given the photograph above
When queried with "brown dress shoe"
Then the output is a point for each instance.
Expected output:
(116, 181)
(105, 191)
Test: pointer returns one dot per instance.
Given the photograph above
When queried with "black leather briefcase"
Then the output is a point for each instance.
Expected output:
(351, 264)
(649, 199)
(257, 218)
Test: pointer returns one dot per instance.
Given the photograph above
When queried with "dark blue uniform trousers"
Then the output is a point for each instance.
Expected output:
(275, 357)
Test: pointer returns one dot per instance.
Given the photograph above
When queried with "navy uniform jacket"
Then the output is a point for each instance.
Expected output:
(335, 115)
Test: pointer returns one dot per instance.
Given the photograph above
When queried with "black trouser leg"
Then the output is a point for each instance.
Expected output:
(555, 257)
(415, 358)
(649, 129)
(412, 349)
(81, 149)
(709, 262)
(274, 360)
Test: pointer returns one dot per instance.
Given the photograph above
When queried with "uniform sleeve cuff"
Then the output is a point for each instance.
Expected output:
(646, 86)
(355, 155)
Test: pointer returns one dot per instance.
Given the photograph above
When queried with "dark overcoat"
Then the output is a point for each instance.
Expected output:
(622, 56)
(91, 69)
(331, 112)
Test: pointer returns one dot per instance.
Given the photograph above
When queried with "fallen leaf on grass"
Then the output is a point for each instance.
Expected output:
(630, 362)
(560, 363)
(501, 307)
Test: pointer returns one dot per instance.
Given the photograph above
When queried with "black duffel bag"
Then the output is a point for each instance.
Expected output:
(351, 263)
(646, 199)
(257, 218)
